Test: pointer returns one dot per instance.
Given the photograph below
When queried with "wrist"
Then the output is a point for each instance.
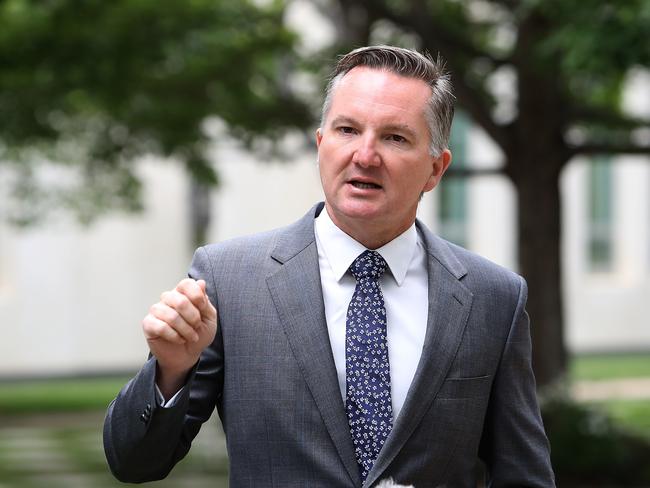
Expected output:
(170, 380)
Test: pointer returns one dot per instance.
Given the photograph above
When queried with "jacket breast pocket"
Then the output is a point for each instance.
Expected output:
(465, 388)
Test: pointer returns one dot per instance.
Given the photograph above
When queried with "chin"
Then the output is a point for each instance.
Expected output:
(362, 211)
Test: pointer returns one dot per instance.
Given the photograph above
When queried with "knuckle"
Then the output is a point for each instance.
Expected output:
(159, 330)
(181, 301)
(185, 284)
(164, 312)
(147, 324)
(157, 310)
(194, 295)
(177, 301)
(172, 316)
(169, 332)
(193, 289)
(149, 319)
(171, 336)
(152, 310)
(152, 328)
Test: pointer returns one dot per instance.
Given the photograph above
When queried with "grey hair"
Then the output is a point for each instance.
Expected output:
(412, 64)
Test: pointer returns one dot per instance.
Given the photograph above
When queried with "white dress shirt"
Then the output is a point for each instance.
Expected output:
(406, 298)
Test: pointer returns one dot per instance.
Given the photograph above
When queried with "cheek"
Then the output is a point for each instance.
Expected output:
(327, 174)
(412, 184)
(330, 165)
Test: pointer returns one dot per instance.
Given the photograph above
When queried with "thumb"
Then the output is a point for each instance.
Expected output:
(207, 308)
(202, 284)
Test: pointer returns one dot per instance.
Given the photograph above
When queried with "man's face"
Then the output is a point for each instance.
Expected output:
(374, 154)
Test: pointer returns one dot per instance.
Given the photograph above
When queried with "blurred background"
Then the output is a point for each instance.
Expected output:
(132, 131)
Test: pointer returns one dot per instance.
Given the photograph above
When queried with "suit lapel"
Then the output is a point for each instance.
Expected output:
(449, 306)
(296, 291)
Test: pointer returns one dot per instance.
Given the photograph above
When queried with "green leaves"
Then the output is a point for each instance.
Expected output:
(131, 77)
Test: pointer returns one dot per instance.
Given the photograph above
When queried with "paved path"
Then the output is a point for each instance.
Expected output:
(624, 389)
(65, 451)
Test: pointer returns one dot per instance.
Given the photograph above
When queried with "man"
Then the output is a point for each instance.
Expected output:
(352, 346)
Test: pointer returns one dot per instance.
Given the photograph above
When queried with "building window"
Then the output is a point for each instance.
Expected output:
(452, 208)
(600, 214)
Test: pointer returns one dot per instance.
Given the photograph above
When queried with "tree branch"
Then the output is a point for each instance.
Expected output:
(510, 4)
(469, 99)
(582, 113)
(600, 148)
(434, 34)
(420, 17)
(464, 172)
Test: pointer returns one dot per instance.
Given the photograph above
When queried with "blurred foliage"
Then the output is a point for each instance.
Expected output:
(90, 85)
(593, 43)
(631, 414)
(588, 449)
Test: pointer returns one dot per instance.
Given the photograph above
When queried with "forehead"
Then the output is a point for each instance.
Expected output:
(379, 92)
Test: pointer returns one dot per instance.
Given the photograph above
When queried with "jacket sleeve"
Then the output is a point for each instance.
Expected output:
(514, 446)
(143, 441)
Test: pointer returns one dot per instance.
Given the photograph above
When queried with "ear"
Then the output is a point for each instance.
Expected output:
(439, 165)
(319, 136)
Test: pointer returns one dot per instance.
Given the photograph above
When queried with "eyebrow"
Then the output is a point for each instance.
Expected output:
(403, 128)
(341, 119)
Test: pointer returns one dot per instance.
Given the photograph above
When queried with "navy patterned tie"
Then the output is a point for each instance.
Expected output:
(367, 372)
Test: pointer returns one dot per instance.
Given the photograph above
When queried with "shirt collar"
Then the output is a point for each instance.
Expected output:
(341, 250)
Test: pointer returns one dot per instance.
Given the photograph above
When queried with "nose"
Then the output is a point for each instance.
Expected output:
(366, 153)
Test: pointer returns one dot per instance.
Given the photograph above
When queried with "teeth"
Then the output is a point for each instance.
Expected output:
(364, 186)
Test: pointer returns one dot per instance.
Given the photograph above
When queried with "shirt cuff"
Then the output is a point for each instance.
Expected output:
(161, 399)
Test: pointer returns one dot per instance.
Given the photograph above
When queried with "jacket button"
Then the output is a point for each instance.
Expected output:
(144, 418)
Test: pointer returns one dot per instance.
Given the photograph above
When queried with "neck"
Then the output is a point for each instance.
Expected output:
(371, 235)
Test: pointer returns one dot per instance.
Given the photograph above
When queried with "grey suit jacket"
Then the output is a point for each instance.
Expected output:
(270, 373)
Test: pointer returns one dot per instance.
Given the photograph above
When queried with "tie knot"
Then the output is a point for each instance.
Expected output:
(368, 265)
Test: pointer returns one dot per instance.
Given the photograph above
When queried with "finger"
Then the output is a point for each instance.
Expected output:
(192, 290)
(208, 310)
(202, 284)
(155, 329)
(174, 320)
(196, 292)
(183, 305)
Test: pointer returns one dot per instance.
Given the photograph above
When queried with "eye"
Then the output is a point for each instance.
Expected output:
(397, 138)
(346, 130)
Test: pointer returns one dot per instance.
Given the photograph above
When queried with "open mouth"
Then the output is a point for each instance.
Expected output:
(364, 185)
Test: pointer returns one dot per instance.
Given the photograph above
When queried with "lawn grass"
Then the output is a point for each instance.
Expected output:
(631, 414)
(609, 366)
(58, 395)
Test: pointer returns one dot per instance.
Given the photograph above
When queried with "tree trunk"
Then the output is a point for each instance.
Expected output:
(539, 241)
(200, 212)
